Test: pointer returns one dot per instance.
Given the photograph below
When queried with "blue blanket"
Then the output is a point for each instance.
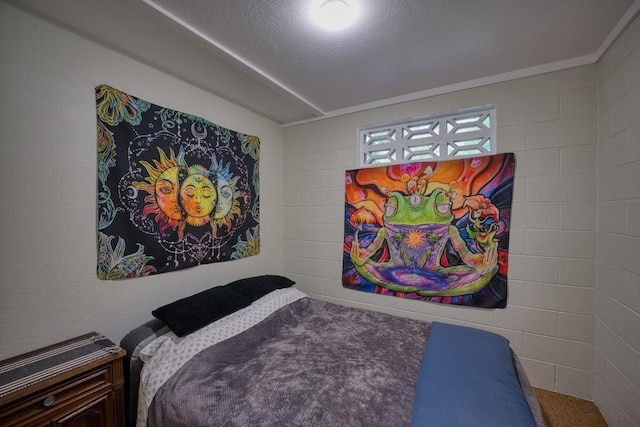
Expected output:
(467, 378)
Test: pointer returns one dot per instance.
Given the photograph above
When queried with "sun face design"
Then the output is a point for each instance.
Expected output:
(414, 239)
(179, 195)
(198, 196)
(163, 185)
(166, 188)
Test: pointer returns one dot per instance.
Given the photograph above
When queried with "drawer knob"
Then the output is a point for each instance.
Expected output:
(49, 401)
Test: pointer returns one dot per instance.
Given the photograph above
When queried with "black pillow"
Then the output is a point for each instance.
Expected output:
(259, 286)
(189, 314)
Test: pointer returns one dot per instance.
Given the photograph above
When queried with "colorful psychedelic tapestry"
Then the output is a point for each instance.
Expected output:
(436, 231)
(174, 190)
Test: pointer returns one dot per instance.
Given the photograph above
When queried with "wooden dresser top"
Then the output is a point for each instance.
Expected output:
(31, 369)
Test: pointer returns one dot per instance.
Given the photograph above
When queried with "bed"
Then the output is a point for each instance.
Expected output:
(259, 352)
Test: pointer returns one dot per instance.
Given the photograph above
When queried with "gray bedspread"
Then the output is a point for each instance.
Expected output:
(310, 363)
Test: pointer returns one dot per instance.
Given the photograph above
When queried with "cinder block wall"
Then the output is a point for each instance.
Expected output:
(617, 303)
(549, 121)
(49, 290)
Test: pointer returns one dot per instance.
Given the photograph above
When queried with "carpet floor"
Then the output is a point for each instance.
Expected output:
(561, 410)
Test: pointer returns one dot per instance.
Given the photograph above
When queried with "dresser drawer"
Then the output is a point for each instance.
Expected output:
(78, 382)
(59, 398)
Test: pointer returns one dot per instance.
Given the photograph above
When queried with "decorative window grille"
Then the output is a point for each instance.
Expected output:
(462, 133)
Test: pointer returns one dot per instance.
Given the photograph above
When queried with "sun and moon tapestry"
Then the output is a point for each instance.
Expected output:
(174, 190)
(435, 231)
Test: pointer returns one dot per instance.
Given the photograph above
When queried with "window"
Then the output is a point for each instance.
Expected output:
(462, 133)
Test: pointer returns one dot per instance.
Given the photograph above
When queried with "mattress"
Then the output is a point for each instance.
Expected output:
(287, 359)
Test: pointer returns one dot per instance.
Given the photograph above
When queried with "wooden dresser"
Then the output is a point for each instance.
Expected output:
(77, 383)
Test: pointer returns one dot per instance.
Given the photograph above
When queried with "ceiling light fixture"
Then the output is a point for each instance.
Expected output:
(334, 15)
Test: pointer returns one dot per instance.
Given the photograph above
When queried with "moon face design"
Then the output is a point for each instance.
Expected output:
(199, 130)
(132, 192)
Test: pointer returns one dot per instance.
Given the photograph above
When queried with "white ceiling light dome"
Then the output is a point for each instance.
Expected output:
(334, 15)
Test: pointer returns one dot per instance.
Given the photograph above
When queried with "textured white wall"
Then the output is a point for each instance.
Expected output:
(549, 121)
(617, 304)
(48, 287)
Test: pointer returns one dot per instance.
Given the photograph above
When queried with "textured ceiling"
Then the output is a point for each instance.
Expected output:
(267, 56)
